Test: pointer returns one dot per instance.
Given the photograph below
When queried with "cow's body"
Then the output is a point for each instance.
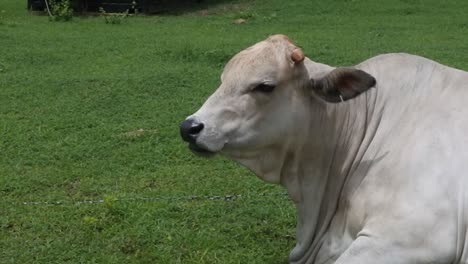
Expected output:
(381, 178)
(408, 179)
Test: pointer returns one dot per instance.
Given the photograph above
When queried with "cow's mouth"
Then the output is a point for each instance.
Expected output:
(201, 151)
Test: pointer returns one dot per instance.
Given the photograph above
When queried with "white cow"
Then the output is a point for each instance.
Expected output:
(380, 177)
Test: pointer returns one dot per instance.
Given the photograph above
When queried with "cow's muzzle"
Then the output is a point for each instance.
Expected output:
(189, 131)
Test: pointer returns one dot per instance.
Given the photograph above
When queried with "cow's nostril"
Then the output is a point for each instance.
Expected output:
(189, 130)
(196, 128)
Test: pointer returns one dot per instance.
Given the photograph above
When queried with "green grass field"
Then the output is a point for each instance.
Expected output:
(90, 111)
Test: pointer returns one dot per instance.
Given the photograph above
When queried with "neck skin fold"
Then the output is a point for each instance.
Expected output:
(318, 176)
(317, 170)
(315, 164)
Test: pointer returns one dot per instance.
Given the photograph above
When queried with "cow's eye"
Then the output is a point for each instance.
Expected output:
(264, 88)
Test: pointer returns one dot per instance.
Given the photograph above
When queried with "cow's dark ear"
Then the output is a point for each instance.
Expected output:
(342, 84)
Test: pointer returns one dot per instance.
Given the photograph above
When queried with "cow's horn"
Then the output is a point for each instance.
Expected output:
(297, 55)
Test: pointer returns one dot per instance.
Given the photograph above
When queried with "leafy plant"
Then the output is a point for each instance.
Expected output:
(113, 18)
(109, 201)
(60, 10)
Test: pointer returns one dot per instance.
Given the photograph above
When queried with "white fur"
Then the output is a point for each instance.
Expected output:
(381, 178)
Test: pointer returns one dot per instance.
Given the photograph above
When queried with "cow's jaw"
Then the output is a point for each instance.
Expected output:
(265, 163)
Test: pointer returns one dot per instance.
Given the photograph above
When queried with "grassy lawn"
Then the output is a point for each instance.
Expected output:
(90, 111)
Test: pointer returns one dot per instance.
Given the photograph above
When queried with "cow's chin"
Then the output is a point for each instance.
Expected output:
(202, 152)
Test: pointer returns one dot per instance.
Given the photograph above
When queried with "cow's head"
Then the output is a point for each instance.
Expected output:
(264, 103)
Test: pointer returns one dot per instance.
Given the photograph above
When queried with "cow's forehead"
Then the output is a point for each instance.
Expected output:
(258, 60)
(260, 54)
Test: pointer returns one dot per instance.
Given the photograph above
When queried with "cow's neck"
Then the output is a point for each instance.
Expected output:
(318, 174)
(314, 164)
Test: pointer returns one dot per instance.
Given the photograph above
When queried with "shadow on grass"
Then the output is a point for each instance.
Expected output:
(180, 7)
(160, 7)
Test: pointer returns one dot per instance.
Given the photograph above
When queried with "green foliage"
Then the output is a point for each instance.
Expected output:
(60, 10)
(4, 21)
(91, 112)
(90, 220)
(245, 15)
(109, 201)
(113, 18)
